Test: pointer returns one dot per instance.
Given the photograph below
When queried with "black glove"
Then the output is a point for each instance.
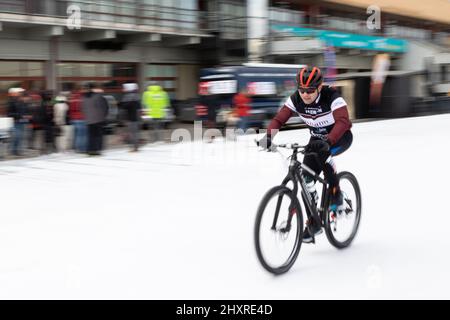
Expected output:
(265, 143)
(318, 145)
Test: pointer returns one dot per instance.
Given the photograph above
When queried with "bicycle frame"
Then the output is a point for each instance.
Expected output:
(294, 175)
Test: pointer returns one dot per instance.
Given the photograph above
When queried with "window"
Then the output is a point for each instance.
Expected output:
(68, 70)
(124, 70)
(87, 70)
(164, 75)
(286, 16)
(24, 74)
(126, 11)
(181, 14)
(21, 69)
(10, 69)
(34, 69)
(158, 71)
(110, 76)
(13, 6)
(103, 10)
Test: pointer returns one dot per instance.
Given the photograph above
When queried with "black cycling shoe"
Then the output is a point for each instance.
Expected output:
(307, 237)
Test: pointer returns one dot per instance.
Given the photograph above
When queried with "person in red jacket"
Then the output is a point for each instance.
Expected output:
(241, 103)
(77, 119)
(325, 113)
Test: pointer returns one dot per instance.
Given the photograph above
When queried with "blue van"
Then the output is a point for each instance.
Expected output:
(268, 85)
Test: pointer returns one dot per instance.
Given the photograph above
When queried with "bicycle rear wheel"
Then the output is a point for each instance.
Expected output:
(278, 230)
(341, 228)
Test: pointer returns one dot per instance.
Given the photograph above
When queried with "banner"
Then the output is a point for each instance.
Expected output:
(348, 40)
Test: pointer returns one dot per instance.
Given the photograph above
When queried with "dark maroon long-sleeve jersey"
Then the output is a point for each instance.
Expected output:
(327, 117)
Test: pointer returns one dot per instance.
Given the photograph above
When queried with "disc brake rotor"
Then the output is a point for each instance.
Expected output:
(282, 233)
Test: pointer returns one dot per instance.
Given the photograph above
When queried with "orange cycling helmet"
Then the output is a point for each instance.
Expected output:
(308, 77)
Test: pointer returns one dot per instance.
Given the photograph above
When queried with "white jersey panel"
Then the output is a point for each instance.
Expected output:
(322, 121)
(338, 103)
(290, 105)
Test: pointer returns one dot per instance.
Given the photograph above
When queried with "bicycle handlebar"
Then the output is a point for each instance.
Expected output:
(289, 146)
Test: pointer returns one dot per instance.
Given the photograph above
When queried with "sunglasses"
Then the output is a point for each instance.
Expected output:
(307, 90)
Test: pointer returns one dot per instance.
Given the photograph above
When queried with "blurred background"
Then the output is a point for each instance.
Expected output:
(388, 58)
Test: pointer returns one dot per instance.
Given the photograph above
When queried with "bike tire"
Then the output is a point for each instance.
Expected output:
(341, 244)
(277, 191)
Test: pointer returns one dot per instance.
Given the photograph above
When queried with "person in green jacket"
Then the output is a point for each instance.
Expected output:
(155, 101)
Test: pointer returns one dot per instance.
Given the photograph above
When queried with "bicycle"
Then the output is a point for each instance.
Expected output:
(320, 213)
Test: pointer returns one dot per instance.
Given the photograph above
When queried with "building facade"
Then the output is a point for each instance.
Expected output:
(62, 44)
(59, 44)
(344, 34)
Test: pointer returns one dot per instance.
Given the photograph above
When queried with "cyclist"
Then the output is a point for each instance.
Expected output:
(325, 113)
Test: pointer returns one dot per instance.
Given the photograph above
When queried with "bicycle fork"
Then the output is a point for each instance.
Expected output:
(292, 212)
(292, 207)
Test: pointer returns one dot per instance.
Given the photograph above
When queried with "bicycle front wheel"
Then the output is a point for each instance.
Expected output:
(278, 230)
(341, 228)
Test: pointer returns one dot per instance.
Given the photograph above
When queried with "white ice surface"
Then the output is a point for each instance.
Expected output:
(176, 221)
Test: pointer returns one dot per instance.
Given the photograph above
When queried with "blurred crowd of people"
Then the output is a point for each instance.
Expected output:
(47, 123)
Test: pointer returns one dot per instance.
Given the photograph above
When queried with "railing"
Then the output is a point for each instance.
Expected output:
(285, 16)
(13, 6)
(231, 18)
(233, 28)
(184, 17)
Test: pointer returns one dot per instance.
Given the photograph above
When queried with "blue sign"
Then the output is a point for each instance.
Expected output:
(348, 40)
